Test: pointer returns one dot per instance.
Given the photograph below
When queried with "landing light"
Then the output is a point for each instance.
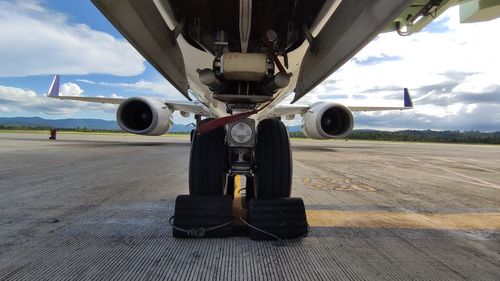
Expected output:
(241, 132)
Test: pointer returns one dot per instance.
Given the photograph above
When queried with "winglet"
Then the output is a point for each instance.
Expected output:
(407, 98)
(54, 88)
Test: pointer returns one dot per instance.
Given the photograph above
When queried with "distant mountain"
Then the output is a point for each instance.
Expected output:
(296, 128)
(60, 123)
(72, 123)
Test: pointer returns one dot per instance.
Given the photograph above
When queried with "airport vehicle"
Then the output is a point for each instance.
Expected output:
(240, 60)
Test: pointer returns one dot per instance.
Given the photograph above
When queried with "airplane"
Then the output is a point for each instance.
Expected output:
(240, 60)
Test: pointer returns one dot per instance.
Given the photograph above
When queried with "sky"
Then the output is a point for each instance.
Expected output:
(450, 68)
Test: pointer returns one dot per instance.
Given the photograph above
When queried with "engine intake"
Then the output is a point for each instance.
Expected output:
(144, 116)
(328, 121)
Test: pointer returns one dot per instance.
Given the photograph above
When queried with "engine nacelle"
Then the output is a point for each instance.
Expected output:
(328, 121)
(144, 116)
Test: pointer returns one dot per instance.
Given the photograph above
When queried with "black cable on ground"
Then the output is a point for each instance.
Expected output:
(281, 241)
(200, 232)
(197, 232)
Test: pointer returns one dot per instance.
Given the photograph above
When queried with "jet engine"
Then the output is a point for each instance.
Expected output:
(144, 116)
(328, 121)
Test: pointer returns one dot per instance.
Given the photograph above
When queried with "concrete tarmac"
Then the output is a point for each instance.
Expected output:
(96, 207)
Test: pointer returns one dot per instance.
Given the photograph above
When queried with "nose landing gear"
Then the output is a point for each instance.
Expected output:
(264, 158)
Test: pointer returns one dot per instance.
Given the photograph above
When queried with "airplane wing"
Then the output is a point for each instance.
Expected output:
(408, 104)
(189, 107)
(291, 109)
(54, 93)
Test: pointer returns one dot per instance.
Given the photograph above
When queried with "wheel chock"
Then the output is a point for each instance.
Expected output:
(202, 216)
(277, 219)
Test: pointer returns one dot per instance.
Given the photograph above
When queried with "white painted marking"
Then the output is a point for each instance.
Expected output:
(472, 180)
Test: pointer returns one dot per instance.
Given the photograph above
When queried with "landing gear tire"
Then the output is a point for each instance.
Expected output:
(206, 163)
(274, 160)
(191, 135)
(230, 185)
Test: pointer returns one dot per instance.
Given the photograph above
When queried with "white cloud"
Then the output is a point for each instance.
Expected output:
(160, 87)
(478, 83)
(34, 40)
(426, 58)
(484, 117)
(70, 89)
(4, 108)
(115, 96)
(20, 100)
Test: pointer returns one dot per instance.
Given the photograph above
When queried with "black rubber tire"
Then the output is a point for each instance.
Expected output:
(191, 135)
(250, 191)
(273, 159)
(206, 163)
(230, 186)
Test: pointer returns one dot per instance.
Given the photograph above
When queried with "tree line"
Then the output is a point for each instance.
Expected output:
(422, 136)
(48, 128)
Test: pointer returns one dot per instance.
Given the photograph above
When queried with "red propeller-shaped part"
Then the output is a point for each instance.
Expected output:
(219, 122)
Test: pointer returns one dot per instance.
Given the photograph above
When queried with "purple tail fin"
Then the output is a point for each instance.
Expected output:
(54, 88)
(407, 99)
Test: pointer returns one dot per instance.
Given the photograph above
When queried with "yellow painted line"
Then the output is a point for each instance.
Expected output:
(330, 218)
(238, 210)
(237, 186)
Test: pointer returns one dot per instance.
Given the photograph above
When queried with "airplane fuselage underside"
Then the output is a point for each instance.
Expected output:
(310, 39)
(202, 19)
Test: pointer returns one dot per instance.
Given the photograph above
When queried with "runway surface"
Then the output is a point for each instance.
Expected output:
(97, 206)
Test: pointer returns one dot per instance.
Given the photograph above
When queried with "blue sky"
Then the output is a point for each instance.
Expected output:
(450, 68)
